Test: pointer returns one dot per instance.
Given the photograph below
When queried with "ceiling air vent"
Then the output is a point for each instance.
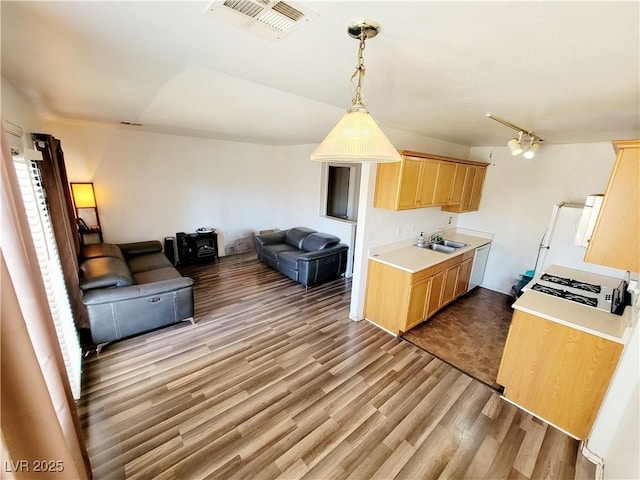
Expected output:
(270, 19)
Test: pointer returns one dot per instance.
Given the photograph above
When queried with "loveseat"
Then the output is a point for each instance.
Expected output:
(130, 289)
(303, 254)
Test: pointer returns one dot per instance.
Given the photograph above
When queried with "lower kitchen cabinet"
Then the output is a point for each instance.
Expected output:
(434, 302)
(418, 299)
(398, 300)
(464, 275)
(557, 372)
(449, 289)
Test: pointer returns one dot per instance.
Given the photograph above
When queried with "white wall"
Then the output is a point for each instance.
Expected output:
(519, 195)
(19, 111)
(151, 185)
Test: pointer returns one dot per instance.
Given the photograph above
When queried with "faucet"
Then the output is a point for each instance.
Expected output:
(435, 237)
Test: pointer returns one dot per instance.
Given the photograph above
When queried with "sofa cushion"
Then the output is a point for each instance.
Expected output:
(318, 241)
(273, 251)
(295, 236)
(167, 273)
(102, 250)
(140, 248)
(104, 272)
(289, 259)
(152, 261)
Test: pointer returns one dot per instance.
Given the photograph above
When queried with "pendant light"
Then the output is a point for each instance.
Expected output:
(356, 137)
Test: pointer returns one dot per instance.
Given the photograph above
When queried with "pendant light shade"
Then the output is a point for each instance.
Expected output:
(357, 138)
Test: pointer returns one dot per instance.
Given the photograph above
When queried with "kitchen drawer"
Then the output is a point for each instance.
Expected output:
(422, 275)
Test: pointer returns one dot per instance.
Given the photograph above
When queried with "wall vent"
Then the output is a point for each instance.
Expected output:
(270, 19)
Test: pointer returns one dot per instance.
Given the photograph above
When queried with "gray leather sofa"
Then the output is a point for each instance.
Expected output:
(303, 254)
(131, 288)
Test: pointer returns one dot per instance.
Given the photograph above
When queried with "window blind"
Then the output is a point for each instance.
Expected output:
(35, 203)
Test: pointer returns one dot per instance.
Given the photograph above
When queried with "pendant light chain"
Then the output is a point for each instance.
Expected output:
(359, 72)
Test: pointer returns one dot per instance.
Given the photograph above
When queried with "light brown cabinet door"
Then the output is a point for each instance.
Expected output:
(558, 373)
(387, 183)
(435, 295)
(615, 241)
(409, 182)
(418, 296)
(449, 289)
(476, 190)
(462, 281)
(428, 180)
(458, 184)
(468, 189)
(444, 183)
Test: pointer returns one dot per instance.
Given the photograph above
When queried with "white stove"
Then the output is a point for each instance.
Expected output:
(601, 297)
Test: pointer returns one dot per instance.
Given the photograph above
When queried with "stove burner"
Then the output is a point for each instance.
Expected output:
(574, 297)
(548, 290)
(569, 282)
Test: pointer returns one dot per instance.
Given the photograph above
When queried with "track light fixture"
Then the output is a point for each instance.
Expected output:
(515, 144)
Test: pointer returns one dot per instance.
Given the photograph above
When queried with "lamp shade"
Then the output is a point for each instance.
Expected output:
(515, 146)
(356, 138)
(83, 196)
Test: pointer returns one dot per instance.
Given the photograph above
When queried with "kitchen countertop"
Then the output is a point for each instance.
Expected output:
(574, 315)
(413, 259)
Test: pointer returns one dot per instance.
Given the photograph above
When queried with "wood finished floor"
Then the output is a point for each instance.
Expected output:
(275, 382)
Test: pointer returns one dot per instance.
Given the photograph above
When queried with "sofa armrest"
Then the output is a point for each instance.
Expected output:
(318, 254)
(270, 238)
(109, 295)
(140, 248)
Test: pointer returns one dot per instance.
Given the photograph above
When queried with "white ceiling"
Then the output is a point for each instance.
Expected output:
(567, 70)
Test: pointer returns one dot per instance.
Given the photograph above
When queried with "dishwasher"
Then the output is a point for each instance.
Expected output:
(479, 264)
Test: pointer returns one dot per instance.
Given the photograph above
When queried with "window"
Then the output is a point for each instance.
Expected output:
(342, 187)
(33, 195)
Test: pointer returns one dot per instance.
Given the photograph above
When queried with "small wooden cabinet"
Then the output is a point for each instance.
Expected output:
(470, 186)
(557, 372)
(422, 180)
(418, 299)
(434, 302)
(398, 300)
(615, 241)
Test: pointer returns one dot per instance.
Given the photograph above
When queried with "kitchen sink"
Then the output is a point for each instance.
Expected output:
(452, 243)
(440, 248)
(444, 246)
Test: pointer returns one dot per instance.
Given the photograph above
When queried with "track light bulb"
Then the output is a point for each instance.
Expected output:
(531, 151)
(515, 146)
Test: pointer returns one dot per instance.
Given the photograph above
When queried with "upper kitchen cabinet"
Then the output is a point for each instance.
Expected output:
(422, 180)
(615, 241)
(469, 181)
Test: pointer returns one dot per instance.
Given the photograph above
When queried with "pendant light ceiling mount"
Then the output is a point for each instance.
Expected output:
(356, 138)
(515, 144)
(355, 28)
